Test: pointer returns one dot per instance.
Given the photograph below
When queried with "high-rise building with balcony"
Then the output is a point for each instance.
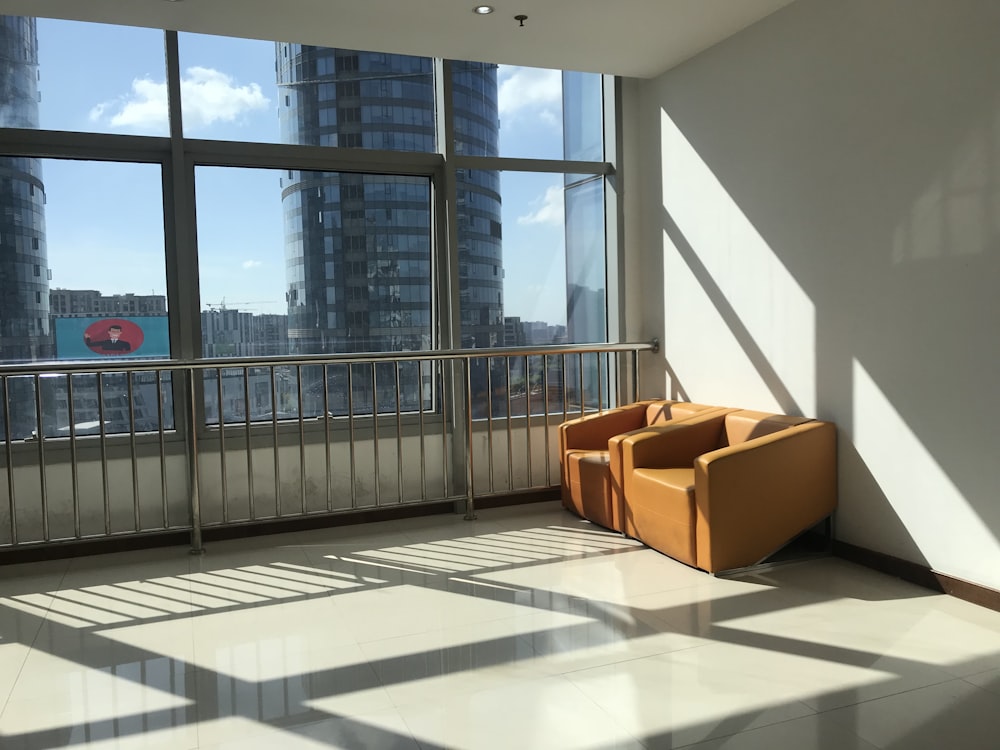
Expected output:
(24, 270)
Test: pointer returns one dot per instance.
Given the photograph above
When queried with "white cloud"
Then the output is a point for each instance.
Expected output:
(208, 96)
(546, 210)
(537, 89)
(248, 264)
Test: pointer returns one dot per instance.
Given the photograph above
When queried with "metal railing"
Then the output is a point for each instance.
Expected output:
(94, 450)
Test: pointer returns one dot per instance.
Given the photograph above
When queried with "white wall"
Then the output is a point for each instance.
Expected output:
(820, 234)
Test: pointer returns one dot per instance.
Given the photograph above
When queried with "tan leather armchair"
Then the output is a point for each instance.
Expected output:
(725, 490)
(590, 468)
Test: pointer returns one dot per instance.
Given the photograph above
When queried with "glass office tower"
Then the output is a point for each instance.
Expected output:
(358, 246)
(586, 245)
(24, 270)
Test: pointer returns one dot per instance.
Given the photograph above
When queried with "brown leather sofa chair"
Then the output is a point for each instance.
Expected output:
(590, 461)
(726, 490)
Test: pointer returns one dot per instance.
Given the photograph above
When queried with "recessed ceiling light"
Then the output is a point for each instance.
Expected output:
(483, 10)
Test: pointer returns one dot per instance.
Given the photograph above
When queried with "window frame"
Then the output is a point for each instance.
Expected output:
(178, 156)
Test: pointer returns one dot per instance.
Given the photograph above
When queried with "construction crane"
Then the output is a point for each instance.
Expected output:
(223, 305)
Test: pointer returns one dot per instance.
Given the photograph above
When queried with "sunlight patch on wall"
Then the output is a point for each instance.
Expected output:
(957, 214)
(753, 292)
(937, 516)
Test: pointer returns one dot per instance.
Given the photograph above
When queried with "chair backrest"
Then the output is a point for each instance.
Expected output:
(663, 411)
(744, 425)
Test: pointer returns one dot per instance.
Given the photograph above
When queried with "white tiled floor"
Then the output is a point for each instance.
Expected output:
(527, 628)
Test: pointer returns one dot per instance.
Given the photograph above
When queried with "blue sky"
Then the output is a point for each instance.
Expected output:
(104, 221)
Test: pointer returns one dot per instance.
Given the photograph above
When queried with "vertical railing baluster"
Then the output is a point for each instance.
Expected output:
(223, 467)
(527, 416)
(74, 465)
(101, 413)
(350, 430)
(600, 384)
(163, 448)
(136, 511)
(42, 480)
(470, 486)
(545, 410)
(635, 375)
(443, 399)
(399, 439)
(420, 418)
(277, 447)
(302, 441)
(489, 422)
(510, 430)
(326, 432)
(248, 430)
(194, 499)
(565, 387)
(377, 472)
(9, 456)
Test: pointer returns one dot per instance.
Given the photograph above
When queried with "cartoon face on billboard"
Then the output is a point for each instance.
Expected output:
(139, 337)
(113, 336)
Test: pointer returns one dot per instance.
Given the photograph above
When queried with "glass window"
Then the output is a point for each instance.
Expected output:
(583, 116)
(531, 253)
(272, 282)
(118, 86)
(80, 283)
(586, 308)
(515, 111)
(290, 261)
(267, 92)
(70, 270)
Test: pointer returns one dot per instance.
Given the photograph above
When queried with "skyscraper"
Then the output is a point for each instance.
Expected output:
(358, 246)
(24, 270)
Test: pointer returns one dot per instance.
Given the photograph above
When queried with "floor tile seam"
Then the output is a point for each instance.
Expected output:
(611, 718)
(29, 647)
(990, 693)
(423, 745)
(417, 705)
(812, 713)
(360, 717)
(425, 631)
(895, 694)
(626, 660)
(13, 685)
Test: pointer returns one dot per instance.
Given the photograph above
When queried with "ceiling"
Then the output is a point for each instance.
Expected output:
(639, 38)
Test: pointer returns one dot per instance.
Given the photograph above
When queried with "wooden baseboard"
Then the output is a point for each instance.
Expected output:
(919, 574)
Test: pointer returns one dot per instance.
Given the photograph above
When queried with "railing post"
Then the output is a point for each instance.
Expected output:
(470, 500)
(194, 497)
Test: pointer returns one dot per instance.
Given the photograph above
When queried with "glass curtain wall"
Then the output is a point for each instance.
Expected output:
(315, 213)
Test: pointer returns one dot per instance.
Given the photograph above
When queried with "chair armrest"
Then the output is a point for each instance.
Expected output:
(591, 432)
(755, 496)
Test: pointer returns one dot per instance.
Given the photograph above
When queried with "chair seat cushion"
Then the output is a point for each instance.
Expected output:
(661, 511)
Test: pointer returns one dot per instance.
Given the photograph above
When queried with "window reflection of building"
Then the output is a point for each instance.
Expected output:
(586, 250)
(358, 246)
(24, 269)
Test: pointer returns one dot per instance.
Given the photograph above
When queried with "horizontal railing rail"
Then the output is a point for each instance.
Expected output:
(99, 449)
(206, 363)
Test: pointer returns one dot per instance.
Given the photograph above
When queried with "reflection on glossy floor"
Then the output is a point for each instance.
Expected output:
(525, 629)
